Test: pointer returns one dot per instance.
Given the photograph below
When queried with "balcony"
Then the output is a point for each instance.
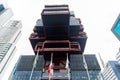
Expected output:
(58, 46)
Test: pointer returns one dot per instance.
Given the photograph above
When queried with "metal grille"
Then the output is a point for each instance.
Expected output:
(82, 75)
(8, 31)
(4, 47)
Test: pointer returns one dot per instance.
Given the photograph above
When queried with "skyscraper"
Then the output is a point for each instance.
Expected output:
(58, 42)
(10, 31)
(112, 69)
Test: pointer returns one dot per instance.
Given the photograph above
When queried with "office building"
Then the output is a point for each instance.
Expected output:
(116, 27)
(23, 69)
(79, 68)
(59, 40)
(111, 71)
(10, 31)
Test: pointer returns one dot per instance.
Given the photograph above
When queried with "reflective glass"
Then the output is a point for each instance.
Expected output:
(117, 28)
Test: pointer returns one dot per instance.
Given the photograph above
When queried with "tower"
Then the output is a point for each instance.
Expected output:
(58, 41)
(112, 69)
(10, 31)
(57, 35)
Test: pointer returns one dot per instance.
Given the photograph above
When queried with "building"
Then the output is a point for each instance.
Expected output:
(59, 40)
(116, 27)
(10, 31)
(23, 69)
(111, 71)
(84, 69)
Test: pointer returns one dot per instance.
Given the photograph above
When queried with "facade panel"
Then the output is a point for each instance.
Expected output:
(116, 27)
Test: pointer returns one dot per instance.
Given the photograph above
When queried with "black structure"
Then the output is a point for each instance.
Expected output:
(57, 24)
(61, 34)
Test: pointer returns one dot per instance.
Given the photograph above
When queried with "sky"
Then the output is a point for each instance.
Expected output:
(97, 16)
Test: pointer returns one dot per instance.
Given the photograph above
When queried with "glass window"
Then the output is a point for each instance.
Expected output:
(117, 28)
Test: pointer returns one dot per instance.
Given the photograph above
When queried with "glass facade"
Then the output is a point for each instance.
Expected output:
(1, 7)
(94, 74)
(77, 62)
(111, 71)
(79, 72)
(25, 75)
(82, 75)
(23, 68)
(79, 75)
(57, 75)
(116, 28)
